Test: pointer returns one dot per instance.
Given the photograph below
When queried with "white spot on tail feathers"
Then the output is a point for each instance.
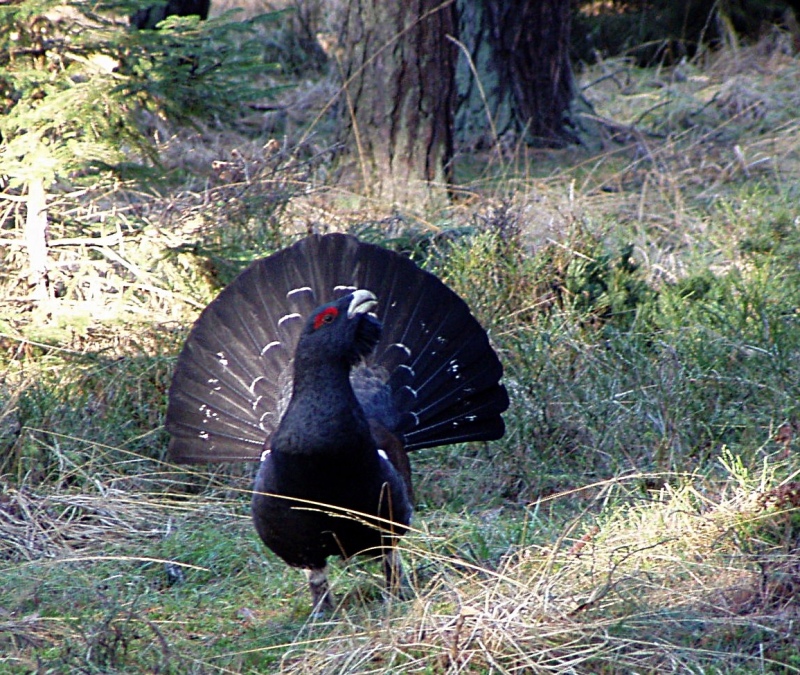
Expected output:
(400, 345)
(344, 288)
(253, 384)
(383, 454)
(263, 422)
(453, 367)
(269, 346)
(289, 317)
(208, 413)
(222, 360)
(303, 289)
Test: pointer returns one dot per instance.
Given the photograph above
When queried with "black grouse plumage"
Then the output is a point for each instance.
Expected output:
(329, 361)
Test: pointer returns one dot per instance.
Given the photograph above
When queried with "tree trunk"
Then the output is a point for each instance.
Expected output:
(399, 94)
(36, 238)
(517, 83)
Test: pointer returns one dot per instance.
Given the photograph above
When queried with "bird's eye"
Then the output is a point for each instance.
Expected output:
(325, 316)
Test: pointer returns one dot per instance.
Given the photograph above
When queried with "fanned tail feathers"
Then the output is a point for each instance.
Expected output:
(233, 377)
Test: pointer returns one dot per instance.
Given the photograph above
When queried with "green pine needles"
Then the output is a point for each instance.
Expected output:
(74, 83)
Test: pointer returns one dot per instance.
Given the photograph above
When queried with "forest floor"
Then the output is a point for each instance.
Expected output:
(641, 513)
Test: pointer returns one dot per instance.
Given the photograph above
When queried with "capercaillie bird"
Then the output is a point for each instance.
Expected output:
(329, 362)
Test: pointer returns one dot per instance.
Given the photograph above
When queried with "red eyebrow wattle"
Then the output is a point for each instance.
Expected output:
(319, 319)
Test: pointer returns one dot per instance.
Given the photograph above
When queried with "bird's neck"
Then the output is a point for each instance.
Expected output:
(312, 373)
(323, 415)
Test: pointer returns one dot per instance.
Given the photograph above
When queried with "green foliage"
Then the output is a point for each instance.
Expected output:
(57, 439)
(608, 372)
(605, 286)
(59, 112)
(640, 511)
(255, 232)
(760, 221)
(74, 83)
(198, 69)
(666, 30)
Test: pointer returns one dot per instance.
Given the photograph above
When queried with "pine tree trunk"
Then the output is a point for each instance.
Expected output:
(399, 94)
(517, 82)
(36, 238)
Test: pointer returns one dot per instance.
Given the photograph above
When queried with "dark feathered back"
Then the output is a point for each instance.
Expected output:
(233, 377)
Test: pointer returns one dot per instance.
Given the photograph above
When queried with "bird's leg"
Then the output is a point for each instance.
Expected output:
(393, 572)
(321, 597)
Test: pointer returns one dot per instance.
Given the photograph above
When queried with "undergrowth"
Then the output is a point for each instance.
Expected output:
(640, 515)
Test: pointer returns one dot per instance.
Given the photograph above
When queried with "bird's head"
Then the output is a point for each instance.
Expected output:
(341, 330)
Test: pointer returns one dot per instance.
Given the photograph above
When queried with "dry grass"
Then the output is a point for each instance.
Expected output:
(569, 573)
(651, 589)
(661, 584)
